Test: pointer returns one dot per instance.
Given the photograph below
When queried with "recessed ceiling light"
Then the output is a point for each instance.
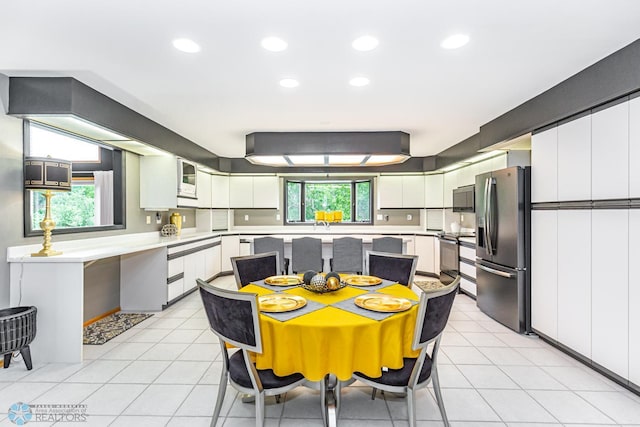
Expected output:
(365, 43)
(186, 45)
(359, 81)
(289, 83)
(455, 41)
(274, 44)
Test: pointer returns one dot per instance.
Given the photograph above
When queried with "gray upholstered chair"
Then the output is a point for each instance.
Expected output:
(306, 254)
(270, 244)
(347, 255)
(397, 267)
(387, 244)
(433, 314)
(250, 268)
(233, 317)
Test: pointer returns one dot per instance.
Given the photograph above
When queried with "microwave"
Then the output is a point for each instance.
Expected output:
(187, 172)
(464, 199)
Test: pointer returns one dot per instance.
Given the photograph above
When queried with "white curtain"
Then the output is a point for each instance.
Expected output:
(103, 181)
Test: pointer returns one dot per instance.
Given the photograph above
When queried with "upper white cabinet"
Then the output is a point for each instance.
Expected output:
(158, 182)
(204, 189)
(219, 191)
(610, 153)
(544, 166)
(634, 148)
(634, 296)
(574, 159)
(433, 187)
(544, 272)
(450, 181)
(401, 191)
(254, 192)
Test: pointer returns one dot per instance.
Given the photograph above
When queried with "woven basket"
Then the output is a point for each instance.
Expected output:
(17, 328)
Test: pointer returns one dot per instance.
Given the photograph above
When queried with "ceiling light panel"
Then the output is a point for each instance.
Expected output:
(455, 41)
(186, 45)
(274, 44)
(365, 43)
(385, 159)
(289, 83)
(346, 160)
(268, 160)
(311, 160)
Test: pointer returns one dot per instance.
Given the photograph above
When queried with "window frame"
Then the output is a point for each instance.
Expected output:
(115, 162)
(303, 180)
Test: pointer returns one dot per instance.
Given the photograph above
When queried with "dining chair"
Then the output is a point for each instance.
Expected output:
(233, 317)
(387, 244)
(397, 267)
(249, 268)
(306, 254)
(270, 244)
(347, 255)
(433, 313)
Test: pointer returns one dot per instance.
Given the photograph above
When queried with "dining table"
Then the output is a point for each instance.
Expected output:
(330, 337)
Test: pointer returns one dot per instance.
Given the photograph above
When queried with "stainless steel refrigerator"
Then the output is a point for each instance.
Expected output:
(503, 249)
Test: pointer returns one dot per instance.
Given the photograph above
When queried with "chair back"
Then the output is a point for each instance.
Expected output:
(347, 255)
(387, 244)
(233, 316)
(306, 254)
(433, 314)
(250, 268)
(397, 267)
(270, 244)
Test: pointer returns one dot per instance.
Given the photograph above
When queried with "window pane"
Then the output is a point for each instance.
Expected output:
(74, 208)
(333, 196)
(294, 193)
(44, 142)
(363, 201)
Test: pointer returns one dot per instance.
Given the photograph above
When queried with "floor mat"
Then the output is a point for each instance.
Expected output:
(429, 285)
(111, 326)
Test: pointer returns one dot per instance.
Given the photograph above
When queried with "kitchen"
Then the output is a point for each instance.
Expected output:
(559, 313)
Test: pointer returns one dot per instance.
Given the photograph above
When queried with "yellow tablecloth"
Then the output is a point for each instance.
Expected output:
(331, 340)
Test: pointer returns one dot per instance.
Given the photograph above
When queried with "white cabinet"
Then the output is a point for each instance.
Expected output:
(425, 249)
(158, 182)
(413, 191)
(389, 192)
(634, 296)
(254, 192)
(544, 166)
(610, 290)
(634, 148)
(544, 272)
(433, 187)
(574, 280)
(204, 189)
(574, 159)
(230, 248)
(450, 181)
(241, 191)
(190, 261)
(219, 191)
(610, 153)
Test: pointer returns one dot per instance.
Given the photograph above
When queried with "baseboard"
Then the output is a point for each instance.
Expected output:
(467, 293)
(101, 316)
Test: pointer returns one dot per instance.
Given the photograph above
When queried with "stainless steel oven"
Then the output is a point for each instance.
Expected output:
(449, 258)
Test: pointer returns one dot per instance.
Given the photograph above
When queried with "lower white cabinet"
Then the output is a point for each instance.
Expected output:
(574, 280)
(610, 290)
(544, 272)
(425, 249)
(190, 261)
(230, 248)
(634, 296)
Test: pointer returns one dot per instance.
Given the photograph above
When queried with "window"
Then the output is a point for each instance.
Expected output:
(351, 197)
(96, 199)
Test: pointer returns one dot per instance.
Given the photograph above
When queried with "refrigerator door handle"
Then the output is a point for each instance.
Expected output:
(494, 271)
(487, 216)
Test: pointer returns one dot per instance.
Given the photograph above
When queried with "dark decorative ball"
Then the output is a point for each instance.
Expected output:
(308, 276)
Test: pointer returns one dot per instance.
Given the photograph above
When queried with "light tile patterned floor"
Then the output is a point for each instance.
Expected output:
(165, 372)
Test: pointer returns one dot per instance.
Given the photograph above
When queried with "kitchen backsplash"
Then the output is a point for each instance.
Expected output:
(466, 219)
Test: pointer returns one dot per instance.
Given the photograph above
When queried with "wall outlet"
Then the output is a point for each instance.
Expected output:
(148, 219)
(158, 218)
(409, 217)
(379, 217)
(277, 217)
(246, 217)
(184, 219)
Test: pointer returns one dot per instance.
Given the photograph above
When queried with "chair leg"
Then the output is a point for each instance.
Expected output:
(222, 389)
(26, 356)
(7, 360)
(436, 389)
(411, 405)
(373, 393)
(260, 409)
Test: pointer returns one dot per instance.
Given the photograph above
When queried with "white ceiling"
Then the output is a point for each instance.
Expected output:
(123, 48)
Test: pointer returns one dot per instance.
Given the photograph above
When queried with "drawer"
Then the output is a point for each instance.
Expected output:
(468, 286)
(469, 270)
(188, 246)
(175, 266)
(467, 253)
(174, 290)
